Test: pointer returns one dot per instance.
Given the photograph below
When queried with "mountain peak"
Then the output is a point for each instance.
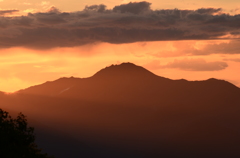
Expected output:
(125, 65)
(124, 70)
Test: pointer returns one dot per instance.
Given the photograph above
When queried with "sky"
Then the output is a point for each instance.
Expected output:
(44, 40)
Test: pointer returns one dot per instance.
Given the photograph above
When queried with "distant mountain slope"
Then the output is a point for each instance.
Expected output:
(126, 110)
(51, 88)
(119, 73)
(131, 84)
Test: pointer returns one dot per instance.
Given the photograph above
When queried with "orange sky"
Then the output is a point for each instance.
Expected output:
(29, 58)
(21, 67)
(75, 5)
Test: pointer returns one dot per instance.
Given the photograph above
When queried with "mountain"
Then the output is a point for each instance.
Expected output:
(116, 73)
(131, 84)
(127, 111)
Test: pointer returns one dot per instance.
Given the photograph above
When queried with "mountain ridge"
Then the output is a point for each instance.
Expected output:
(124, 71)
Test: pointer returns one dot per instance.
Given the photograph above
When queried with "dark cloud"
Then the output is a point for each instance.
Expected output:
(232, 59)
(196, 65)
(135, 7)
(231, 47)
(208, 10)
(3, 12)
(125, 23)
(98, 8)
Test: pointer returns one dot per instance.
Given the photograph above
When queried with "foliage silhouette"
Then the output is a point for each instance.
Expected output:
(16, 138)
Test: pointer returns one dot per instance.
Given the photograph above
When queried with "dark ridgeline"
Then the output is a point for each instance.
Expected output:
(126, 111)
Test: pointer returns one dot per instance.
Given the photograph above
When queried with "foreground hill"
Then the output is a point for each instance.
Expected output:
(127, 111)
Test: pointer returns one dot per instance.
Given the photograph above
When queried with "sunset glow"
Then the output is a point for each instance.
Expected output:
(30, 67)
(119, 78)
(30, 57)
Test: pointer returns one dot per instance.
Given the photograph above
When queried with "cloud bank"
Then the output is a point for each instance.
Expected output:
(232, 59)
(196, 65)
(126, 23)
(189, 64)
(4, 12)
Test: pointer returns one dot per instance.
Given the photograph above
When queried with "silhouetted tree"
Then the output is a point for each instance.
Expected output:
(16, 138)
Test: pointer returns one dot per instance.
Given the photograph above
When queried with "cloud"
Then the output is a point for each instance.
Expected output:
(43, 3)
(3, 12)
(232, 59)
(126, 23)
(208, 10)
(135, 7)
(196, 65)
(98, 8)
(228, 47)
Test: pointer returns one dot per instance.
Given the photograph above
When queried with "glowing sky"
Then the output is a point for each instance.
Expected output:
(76, 5)
(56, 39)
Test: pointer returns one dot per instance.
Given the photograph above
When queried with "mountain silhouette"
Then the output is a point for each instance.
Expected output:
(115, 73)
(133, 84)
(127, 111)
(123, 70)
